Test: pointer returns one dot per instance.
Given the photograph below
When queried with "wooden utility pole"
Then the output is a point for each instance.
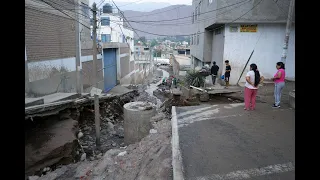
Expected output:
(78, 48)
(288, 30)
(94, 78)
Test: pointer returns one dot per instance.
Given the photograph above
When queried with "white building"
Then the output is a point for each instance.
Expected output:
(232, 35)
(110, 29)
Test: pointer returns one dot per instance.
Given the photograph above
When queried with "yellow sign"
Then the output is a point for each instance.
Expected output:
(249, 28)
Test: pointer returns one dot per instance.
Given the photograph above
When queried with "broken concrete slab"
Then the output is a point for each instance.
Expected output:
(119, 90)
(33, 101)
(224, 91)
(59, 97)
(53, 143)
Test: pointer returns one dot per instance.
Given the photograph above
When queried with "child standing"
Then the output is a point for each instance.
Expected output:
(227, 73)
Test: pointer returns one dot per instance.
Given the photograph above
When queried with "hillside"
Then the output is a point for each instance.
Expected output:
(176, 27)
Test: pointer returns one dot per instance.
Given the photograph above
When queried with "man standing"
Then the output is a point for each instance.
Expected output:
(227, 73)
(214, 72)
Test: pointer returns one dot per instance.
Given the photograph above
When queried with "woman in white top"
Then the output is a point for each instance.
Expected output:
(253, 79)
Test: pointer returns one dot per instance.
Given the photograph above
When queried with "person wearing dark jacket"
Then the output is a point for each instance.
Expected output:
(214, 72)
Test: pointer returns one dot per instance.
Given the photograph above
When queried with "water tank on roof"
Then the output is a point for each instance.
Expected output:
(107, 8)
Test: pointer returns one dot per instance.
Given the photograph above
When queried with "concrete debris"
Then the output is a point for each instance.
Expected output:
(80, 135)
(110, 126)
(122, 153)
(33, 177)
(83, 157)
(153, 131)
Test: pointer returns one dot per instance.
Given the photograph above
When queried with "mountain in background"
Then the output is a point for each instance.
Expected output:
(182, 26)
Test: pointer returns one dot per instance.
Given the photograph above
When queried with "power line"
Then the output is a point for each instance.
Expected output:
(65, 14)
(204, 32)
(128, 3)
(199, 13)
(283, 11)
(198, 21)
(151, 14)
(127, 21)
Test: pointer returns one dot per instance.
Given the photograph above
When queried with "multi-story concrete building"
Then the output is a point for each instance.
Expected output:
(230, 30)
(50, 40)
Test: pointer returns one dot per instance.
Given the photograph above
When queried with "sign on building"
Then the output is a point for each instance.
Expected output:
(249, 28)
(233, 28)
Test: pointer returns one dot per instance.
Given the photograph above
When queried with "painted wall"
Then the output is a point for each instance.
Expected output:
(267, 43)
(218, 49)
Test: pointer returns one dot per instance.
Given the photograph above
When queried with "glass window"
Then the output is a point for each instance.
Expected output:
(105, 38)
(105, 21)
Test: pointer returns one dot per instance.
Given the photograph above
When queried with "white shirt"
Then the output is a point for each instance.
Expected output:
(251, 75)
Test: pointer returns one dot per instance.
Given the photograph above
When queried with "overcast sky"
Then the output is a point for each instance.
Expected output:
(172, 2)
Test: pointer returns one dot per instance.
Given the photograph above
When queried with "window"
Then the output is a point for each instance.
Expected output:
(105, 38)
(105, 21)
(233, 29)
(198, 37)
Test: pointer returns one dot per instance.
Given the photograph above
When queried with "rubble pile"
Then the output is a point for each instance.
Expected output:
(112, 132)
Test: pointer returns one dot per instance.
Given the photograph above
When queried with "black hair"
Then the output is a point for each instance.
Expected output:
(256, 74)
(213, 62)
(281, 64)
(226, 61)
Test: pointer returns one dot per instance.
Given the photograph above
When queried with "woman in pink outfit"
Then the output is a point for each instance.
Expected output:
(253, 79)
(279, 82)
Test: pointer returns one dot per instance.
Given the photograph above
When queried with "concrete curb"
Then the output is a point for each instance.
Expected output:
(176, 154)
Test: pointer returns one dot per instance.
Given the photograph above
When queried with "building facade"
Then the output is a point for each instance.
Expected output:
(229, 30)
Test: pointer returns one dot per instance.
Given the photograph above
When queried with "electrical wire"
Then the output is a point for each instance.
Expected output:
(202, 32)
(151, 14)
(283, 11)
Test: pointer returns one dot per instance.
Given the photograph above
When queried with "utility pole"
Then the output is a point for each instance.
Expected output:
(288, 30)
(95, 84)
(78, 48)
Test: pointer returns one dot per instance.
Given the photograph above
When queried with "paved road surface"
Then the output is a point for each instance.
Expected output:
(226, 142)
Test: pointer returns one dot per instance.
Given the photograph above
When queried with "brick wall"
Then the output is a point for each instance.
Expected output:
(50, 34)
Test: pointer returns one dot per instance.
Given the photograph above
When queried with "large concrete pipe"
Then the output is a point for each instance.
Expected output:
(137, 117)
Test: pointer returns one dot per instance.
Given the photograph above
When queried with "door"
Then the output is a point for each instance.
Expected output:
(110, 69)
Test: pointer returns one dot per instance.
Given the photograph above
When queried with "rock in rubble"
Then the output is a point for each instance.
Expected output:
(51, 145)
(83, 157)
(80, 135)
(33, 177)
(153, 131)
(110, 126)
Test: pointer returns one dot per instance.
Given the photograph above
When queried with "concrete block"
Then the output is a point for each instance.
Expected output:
(137, 117)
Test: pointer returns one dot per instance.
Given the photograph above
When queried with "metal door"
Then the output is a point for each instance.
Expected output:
(110, 69)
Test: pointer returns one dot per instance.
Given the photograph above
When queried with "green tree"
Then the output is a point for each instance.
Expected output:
(153, 43)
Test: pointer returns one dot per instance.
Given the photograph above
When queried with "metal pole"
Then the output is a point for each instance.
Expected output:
(78, 48)
(95, 84)
(288, 30)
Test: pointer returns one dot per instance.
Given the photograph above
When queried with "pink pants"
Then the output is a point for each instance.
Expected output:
(250, 96)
